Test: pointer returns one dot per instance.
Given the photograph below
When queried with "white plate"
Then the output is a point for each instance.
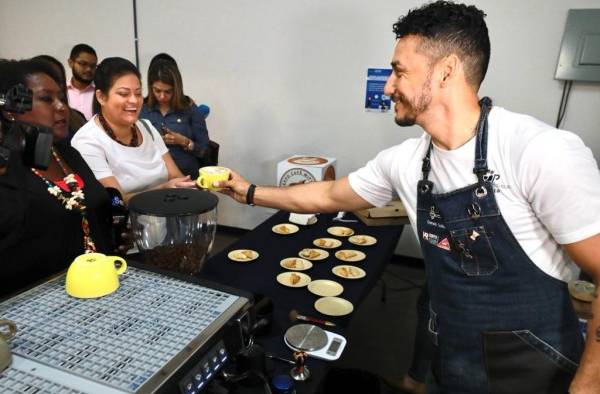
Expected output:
(348, 272)
(298, 264)
(293, 279)
(243, 255)
(362, 240)
(327, 243)
(334, 306)
(323, 254)
(285, 228)
(325, 288)
(340, 231)
(350, 255)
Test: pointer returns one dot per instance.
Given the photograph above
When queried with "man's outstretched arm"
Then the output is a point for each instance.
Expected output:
(325, 196)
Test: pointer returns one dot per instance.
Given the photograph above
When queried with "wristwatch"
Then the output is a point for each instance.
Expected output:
(190, 145)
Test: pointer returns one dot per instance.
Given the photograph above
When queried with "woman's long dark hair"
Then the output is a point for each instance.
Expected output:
(167, 72)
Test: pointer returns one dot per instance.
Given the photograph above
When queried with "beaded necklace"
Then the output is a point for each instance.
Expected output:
(73, 198)
(111, 133)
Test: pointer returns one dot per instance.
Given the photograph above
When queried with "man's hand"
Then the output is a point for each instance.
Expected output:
(236, 187)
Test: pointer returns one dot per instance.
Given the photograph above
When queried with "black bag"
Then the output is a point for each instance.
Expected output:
(351, 380)
(208, 156)
(212, 154)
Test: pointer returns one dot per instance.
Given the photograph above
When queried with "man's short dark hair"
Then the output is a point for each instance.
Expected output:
(449, 28)
(77, 49)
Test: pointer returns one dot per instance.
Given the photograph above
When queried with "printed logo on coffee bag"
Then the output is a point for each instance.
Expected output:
(307, 160)
(295, 176)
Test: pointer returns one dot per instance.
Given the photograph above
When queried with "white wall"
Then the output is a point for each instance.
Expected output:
(29, 28)
(285, 77)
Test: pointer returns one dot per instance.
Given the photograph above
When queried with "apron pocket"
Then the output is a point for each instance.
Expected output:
(477, 257)
(520, 362)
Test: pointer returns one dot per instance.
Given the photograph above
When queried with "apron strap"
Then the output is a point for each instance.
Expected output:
(426, 166)
(481, 168)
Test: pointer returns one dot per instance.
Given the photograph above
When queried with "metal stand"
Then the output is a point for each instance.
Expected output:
(300, 372)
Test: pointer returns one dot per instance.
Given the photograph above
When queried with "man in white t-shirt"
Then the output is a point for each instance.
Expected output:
(501, 203)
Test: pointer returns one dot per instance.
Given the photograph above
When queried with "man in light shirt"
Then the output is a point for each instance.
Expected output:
(505, 208)
(80, 88)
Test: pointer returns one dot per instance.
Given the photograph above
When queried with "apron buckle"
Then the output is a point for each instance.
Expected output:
(474, 210)
(481, 192)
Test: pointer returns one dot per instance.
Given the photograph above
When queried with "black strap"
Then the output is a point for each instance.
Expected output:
(480, 168)
(426, 167)
(250, 195)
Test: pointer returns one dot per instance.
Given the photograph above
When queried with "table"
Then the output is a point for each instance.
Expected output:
(259, 276)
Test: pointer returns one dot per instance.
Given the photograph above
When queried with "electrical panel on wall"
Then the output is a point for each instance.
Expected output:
(579, 58)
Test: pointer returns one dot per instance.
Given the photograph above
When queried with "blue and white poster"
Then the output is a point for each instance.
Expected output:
(375, 100)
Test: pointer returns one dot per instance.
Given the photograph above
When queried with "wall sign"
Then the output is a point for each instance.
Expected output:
(375, 100)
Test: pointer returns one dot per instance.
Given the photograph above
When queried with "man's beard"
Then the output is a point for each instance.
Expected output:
(415, 108)
(81, 79)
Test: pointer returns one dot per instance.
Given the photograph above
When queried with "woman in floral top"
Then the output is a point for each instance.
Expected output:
(47, 216)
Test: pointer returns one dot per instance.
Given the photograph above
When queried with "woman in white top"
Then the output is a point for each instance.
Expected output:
(122, 151)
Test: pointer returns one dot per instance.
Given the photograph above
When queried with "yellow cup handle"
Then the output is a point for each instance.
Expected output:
(123, 266)
(202, 181)
(12, 329)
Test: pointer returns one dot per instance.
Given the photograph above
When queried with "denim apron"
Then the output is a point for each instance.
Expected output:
(499, 324)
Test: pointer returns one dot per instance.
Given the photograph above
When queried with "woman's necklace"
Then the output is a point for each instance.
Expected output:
(134, 137)
(70, 197)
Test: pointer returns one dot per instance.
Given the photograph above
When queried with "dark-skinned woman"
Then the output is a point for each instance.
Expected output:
(47, 216)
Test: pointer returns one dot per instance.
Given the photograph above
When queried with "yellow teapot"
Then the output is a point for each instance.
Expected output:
(94, 275)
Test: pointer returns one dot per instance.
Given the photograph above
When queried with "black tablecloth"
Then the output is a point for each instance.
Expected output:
(259, 276)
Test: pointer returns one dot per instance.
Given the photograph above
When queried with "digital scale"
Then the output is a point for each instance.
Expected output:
(315, 341)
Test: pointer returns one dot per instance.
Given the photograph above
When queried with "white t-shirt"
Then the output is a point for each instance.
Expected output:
(546, 183)
(136, 168)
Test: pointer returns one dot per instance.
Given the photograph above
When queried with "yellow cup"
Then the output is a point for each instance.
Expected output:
(94, 275)
(209, 175)
(8, 329)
